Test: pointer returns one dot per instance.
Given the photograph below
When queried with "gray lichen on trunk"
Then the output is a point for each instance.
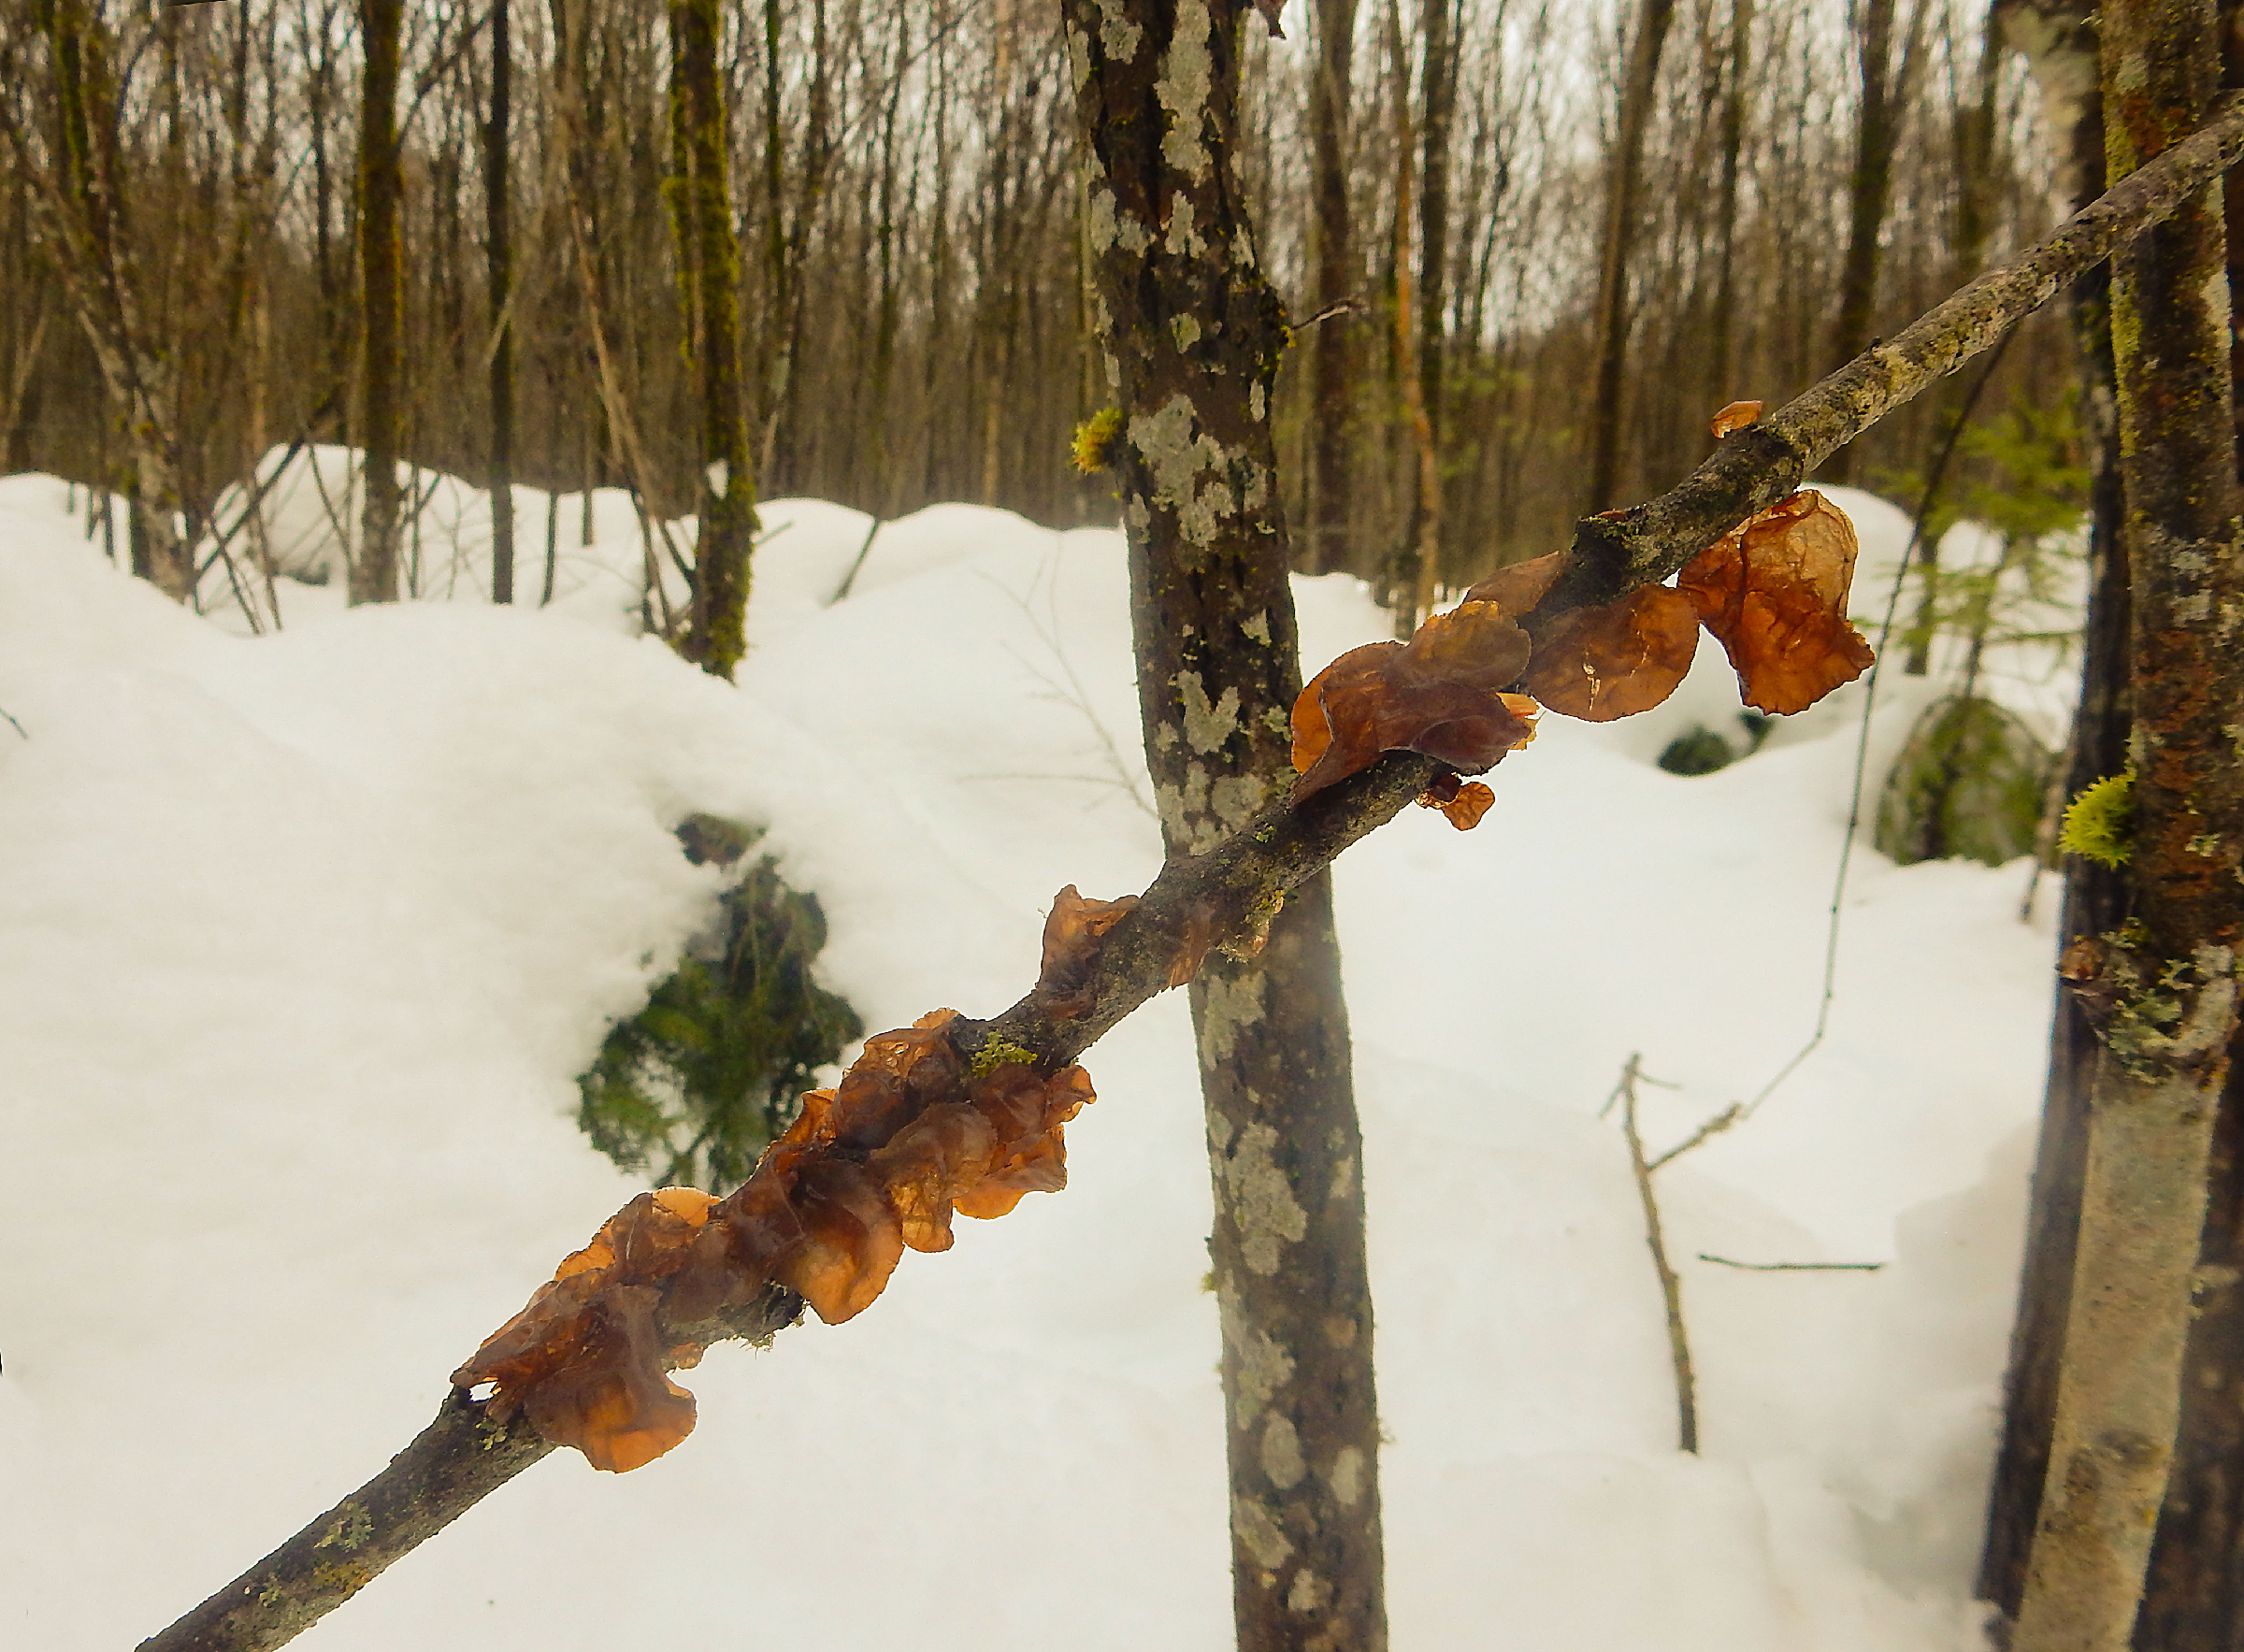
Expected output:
(1195, 334)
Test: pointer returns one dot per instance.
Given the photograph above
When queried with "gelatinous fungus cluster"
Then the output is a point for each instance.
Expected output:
(1773, 593)
(869, 1169)
(1441, 693)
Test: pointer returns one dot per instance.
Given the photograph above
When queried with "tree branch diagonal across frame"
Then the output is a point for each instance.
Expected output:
(465, 1454)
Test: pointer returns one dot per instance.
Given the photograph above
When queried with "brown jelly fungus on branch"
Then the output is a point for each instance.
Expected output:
(875, 1166)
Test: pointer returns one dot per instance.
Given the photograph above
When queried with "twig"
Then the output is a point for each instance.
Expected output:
(1713, 1127)
(1352, 304)
(1222, 895)
(1795, 1267)
(872, 529)
(1671, 1288)
(1074, 694)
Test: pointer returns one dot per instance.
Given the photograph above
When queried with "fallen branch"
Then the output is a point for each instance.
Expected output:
(1226, 896)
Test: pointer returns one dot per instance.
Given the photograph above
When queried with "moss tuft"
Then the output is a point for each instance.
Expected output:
(998, 1053)
(2098, 821)
(1094, 444)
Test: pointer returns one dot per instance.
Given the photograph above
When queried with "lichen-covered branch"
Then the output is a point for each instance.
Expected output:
(1227, 894)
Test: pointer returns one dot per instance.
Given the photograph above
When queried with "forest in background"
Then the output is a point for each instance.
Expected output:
(1545, 243)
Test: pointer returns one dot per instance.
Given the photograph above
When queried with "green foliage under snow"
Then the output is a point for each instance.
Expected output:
(697, 1083)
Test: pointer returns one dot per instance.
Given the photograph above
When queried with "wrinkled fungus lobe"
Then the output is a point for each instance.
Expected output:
(1073, 930)
(1737, 416)
(1773, 593)
(1598, 664)
(869, 1169)
(1461, 804)
(1439, 693)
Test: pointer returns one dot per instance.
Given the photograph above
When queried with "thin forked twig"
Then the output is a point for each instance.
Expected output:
(1671, 1288)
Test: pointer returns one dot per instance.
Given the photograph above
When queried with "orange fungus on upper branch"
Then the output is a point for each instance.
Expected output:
(1737, 416)
(1439, 693)
(1773, 593)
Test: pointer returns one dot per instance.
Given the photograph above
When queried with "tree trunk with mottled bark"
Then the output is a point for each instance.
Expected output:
(81, 208)
(709, 265)
(2061, 52)
(2162, 986)
(381, 275)
(1194, 334)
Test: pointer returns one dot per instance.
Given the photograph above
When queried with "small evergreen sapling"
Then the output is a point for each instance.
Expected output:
(698, 1082)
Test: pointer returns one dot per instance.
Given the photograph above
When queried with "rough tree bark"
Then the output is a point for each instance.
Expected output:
(709, 269)
(1623, 176)
(499, 257)
(1224, 896)
(2162, 985)
(1332, 351)
(1194, 335)
(1437, 111)
(2062, 50)
(381, 302)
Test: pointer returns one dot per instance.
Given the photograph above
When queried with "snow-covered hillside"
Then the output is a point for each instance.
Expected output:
(304, 936)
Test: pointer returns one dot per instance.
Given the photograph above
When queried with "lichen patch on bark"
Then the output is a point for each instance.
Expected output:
(1187, 74)
(1347, 1478)
(1261, 1203)
(1228, 1005)
(1252, 1525)
(1282, 1462)
(1264, 1366)
(1186, 470)
(1118, 36)
(1207, 725)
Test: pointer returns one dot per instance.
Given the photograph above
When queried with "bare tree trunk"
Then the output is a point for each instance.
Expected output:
(2164, 984)
(1406, 585)
(1437, 107)
(709, 262)
(1194, 335)
(1886, 92)
(81, 207)
(381, 263)
(1333, 354)
(1721, 346)
(499, 251)
(1623, 178)
(2062, 53)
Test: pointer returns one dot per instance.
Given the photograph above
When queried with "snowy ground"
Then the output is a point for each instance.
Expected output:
(303, 938)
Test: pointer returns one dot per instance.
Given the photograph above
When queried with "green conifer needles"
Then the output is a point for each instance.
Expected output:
(693, 1085)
